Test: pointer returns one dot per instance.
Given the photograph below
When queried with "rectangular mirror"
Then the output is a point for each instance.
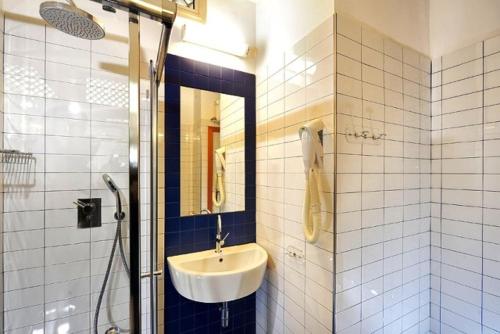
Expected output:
(212, 152)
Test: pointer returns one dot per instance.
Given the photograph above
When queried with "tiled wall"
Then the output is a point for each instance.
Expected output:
(190, 152)
(383, 186)
(232, 136)
(198, 108)
(383, 190)
(186, 234)
(70, 110)
(465, 190)
(210, 109)
(298, 86)
(383, 202)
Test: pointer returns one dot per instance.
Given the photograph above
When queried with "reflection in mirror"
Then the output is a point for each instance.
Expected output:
(212, 152)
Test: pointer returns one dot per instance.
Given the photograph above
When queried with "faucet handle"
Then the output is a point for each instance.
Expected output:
(224, 239)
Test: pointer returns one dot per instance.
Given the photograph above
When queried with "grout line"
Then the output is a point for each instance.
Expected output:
(90, 196)
(383, 51)
(482, 193)
(335, 173)
(45, 179)
(441, 201)
(361, 183)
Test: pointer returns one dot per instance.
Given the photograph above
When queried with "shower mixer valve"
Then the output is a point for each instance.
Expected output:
(89, 212)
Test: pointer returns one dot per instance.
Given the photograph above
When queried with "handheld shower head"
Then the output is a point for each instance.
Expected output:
(110, 183)
(119, 214)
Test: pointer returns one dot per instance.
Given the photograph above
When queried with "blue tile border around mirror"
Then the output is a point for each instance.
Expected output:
(195, 233)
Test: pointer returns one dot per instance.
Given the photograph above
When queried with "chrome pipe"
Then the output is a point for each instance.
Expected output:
(162, 53)
(134, 175)
(165, 13)
(155, 76)
(224, 315)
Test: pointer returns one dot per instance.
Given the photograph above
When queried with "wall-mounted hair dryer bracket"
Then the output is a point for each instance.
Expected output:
(89, 212)
(311, 136)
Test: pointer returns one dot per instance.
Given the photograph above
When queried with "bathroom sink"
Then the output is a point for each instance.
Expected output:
(209, 277)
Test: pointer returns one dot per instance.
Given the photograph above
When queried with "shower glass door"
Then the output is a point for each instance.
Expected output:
(66, 104)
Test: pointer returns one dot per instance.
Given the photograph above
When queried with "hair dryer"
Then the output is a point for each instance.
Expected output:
(311, 135)
(219, 195)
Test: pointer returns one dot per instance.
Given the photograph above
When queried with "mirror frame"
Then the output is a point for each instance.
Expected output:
(179, 72)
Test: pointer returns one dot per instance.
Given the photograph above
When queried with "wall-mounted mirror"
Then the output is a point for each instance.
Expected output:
(212, 152)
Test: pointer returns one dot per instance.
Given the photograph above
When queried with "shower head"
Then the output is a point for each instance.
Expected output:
(119, 214)
(69, 19)
(110, 183)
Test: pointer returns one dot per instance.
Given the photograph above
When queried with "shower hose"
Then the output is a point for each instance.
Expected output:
(118, 240)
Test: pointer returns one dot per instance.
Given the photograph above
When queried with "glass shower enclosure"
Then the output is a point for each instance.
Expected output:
(75, 110)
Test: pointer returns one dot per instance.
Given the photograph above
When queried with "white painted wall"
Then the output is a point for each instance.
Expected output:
(406, 21)
(455, 24)
(281, 23)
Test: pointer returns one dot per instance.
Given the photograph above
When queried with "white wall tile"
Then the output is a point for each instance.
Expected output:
(348, 48)
(463, 87)
(463, 55)
(491, 45)
(67, 55)
(23, 47)
(492, 62)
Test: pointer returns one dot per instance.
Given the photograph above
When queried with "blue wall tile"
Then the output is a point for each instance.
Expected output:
(197, 233)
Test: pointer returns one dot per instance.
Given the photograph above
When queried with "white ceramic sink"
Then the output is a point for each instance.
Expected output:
(209, 277)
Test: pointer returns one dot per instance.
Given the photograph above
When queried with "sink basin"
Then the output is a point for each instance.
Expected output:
(209, 277)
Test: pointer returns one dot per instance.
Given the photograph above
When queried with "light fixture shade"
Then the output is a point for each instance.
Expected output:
(197, 35)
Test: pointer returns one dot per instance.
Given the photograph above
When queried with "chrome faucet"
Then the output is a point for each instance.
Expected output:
(219, 242)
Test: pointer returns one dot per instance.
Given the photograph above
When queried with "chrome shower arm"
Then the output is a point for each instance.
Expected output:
(162, 53)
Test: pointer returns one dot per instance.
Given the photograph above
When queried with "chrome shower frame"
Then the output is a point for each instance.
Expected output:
(165, 14)
(155, 75)
(134, 176)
